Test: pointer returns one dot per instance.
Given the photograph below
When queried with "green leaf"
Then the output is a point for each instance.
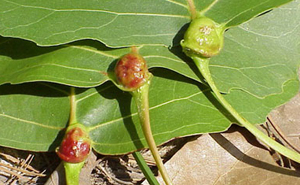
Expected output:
(177, 108)
(116, 114)
(33, 116)
(257, 57)
(115, 23)
(256, 109)
(250, 68)
(235, 12)
(261, 55)
(76, 64)
(82, 64)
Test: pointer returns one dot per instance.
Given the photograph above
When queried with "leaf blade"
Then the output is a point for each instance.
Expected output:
(32, 116)
(235, 12)
(259, 57)
(80, 20)
(118, 23)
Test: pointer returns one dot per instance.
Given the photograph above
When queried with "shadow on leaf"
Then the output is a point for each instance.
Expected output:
(124, 100)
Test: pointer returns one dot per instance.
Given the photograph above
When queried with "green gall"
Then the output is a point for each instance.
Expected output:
(131, 71)
(203, 38)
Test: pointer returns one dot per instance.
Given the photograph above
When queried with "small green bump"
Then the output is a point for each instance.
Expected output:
(203, 38)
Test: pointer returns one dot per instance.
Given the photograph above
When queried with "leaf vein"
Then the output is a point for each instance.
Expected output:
(168, 58)
(92, 94)
(246, 10)
(57, 65)
(83, 28)
(30, 122)
(94, 51)
(27, 143)
(150, 108)
(95, 10)
(177, 3)
(246, 76)
(162, 133)
(209, 7)
(29, 24)
(270, 36)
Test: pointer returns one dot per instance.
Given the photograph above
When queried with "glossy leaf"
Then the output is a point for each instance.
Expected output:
(34, 115)
(77, 65)
(116, 23)
(234, 12)
(177, 108)
(250, 69)
(260, 55)
(257, 57)
(82, 64)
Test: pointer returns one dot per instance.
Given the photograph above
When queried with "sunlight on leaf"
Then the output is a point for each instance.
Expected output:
(116, 23)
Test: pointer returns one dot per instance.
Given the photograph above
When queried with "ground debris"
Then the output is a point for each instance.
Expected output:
(18, 167)
(22, 167)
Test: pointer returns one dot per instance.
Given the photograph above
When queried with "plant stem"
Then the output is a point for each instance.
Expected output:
(192, 9)
(145, 168)
(72, 171)
(141, 99)
(282, 135)
(203, 66)
(72, 119)
(134, 49)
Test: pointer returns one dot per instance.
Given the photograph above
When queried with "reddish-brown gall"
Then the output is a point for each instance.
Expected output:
(131, 71)
(75, 146)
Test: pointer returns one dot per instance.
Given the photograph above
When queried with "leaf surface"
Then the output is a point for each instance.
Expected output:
(34, 115)
(257, 81)
(82, 64)
(115, 23)
(177, 109)
(256, 58)
(262, 54)
(235, 12)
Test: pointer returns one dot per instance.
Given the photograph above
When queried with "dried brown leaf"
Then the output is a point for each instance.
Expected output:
(231, 158)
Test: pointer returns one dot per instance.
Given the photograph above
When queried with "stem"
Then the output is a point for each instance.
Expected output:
(73, 107)
(72, 171)
(141, 99)
(145, 168)
(134, 49)
(282, 135)
(192, 9)
(203, 66)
